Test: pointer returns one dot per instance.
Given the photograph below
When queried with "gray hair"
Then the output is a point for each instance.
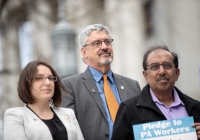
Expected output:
(86, 32)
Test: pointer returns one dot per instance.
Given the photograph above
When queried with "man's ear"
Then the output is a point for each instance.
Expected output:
(84, 52)
(177, 73)
(145, 74)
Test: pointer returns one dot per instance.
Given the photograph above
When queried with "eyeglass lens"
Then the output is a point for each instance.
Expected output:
(98, 43)
(156, 66)
(42, 78)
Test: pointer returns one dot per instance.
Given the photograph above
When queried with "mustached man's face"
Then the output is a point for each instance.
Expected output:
(163, 79)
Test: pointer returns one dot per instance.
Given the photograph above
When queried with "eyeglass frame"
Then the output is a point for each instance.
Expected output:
(172, 64)
(92, 43)
(44, 78)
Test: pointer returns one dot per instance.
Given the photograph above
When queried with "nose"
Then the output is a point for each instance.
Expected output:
(46, 81)
(103, 45)
(161, 69)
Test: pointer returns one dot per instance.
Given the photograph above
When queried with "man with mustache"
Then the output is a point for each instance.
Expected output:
(160, 99)
(87, 96)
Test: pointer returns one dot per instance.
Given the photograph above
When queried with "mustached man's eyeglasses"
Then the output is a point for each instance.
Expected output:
(156, 66)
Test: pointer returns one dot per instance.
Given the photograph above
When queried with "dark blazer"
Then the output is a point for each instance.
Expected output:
(142, 109)
(85, 100)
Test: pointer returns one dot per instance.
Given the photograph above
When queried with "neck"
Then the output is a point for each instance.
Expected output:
(104, 68)
(166, 98)
(43, 110)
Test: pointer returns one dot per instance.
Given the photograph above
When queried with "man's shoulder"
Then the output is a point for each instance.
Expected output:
(123, 77)
(76, 76)
(132, 101)
(185, 98)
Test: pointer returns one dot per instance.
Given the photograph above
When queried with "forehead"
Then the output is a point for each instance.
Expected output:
(42, 69)
(98, 35)
(159, 56)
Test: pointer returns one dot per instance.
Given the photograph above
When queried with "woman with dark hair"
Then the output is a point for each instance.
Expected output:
(41, 118)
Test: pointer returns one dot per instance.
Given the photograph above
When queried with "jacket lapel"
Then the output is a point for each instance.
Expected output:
(145, 100)
(63, 116)
(92, 88)
(121, 88)
(34, 120)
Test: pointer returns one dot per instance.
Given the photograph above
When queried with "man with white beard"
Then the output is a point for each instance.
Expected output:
(94, 101)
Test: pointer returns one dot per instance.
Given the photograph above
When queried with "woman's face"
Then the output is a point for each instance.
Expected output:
(43, 84)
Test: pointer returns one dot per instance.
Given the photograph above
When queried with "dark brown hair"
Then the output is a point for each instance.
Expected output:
(153, 48)
(25, 83)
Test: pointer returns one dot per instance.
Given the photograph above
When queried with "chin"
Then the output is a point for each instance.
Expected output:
(106, 61)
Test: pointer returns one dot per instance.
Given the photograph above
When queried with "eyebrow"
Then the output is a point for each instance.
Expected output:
(161, 63)
(43, 75)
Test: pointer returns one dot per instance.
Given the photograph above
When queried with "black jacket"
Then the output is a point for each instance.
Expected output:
(142, 109)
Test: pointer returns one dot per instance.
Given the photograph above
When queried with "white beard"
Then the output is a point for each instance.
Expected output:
(106, 60)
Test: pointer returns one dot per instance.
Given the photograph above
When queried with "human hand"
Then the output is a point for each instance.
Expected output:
(197, 127)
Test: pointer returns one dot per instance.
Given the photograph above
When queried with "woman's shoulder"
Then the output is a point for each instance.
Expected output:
(15, 109)
(64, 110)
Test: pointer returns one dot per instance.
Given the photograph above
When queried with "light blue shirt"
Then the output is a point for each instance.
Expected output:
(175, 110)
(99, 82)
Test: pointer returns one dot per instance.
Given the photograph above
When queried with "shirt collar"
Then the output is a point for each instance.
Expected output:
(177, 100)
(97, 75)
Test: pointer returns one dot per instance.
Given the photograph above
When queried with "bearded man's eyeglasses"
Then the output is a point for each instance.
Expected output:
(98, 43)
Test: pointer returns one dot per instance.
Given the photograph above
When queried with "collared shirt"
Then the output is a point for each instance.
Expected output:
(99, 82)
(175, 110)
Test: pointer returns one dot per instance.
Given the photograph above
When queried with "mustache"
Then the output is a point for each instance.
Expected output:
(104, 52)
(162, 78)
